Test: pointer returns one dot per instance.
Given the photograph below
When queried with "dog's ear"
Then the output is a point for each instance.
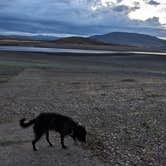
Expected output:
(79, 124)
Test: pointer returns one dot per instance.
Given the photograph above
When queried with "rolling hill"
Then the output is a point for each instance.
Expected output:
(79, 40)
(132, 39)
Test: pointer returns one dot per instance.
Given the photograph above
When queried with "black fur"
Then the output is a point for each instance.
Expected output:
(53, 121)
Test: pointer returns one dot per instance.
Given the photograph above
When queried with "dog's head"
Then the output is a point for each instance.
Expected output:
(80, 133)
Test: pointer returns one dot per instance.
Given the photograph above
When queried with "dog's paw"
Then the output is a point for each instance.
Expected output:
(64, 147)
(35, 150)
(51, 145)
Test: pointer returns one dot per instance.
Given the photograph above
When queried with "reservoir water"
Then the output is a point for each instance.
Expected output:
(81, 51)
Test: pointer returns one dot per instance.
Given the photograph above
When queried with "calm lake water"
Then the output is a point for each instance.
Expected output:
(60, 50)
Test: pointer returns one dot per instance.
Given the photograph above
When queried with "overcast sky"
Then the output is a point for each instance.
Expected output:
(86, 17)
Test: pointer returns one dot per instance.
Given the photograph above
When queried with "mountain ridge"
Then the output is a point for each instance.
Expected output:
(133, 39)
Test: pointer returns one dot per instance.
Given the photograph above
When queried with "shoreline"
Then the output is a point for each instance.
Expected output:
(52, 44)
(65, 51)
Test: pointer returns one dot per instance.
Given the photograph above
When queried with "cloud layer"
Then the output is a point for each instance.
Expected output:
(83, 16)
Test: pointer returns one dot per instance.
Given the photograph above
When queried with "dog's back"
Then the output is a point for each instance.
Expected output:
(54, 121)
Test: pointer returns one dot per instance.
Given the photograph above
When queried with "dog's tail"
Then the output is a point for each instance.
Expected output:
(27, 124)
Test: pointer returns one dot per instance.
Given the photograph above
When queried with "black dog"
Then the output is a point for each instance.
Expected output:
(53, 121)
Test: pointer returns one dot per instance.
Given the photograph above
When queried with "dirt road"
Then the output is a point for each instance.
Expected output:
(19, 97)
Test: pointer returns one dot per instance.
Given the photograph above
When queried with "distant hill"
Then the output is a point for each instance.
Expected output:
(132, 39)
(111, 41)
(79, 40)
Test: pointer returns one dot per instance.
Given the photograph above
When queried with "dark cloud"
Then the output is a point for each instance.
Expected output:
(121, 8)
(154, 21)
(152, 2)
(74, 16)
(124, 8)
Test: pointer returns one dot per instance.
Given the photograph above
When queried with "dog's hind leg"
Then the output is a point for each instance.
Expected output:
(37, 137)
(62, 142)
(47, 138)
(74, 139)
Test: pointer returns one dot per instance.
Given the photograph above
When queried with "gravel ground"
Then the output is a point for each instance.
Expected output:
(16, 150)
(25, 96)
(124, 115)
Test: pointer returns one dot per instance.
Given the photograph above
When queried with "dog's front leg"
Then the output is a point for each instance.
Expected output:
(62, 142)
(47, 138)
